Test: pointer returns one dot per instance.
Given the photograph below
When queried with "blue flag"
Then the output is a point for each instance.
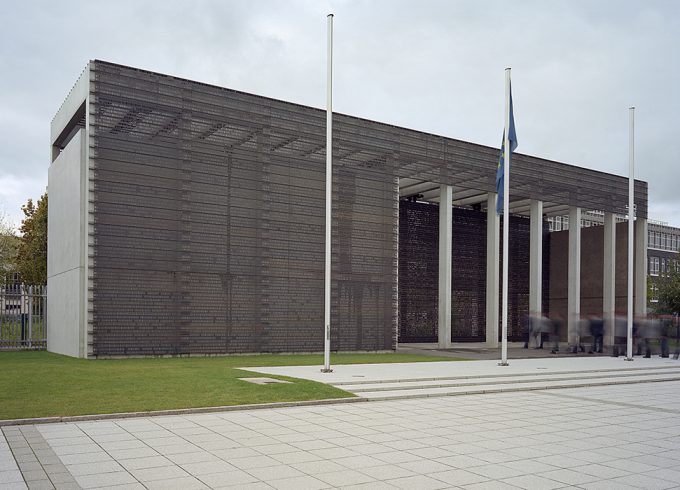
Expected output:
(500, 173)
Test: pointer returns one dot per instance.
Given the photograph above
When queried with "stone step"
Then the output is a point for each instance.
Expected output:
(493, 376)
(423, 392)
(412, 384)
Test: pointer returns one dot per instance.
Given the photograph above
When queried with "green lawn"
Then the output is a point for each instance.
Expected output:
(42, 384)
(10, 329)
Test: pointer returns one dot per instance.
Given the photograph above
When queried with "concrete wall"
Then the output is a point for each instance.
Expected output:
(65, 267)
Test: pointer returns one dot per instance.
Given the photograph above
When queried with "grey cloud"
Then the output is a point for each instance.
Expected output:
(431, 65)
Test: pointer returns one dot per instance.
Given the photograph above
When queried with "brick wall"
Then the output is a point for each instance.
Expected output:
(419, 271)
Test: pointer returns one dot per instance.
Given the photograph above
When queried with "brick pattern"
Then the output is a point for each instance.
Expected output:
(419, 269)
(209, 225)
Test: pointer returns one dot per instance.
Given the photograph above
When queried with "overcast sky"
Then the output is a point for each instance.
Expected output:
(436, 66)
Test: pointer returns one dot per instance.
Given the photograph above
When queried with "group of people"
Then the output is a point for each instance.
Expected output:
(648, 334)
(540, 328)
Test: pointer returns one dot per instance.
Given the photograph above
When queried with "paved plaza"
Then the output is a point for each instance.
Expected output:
(609, 437)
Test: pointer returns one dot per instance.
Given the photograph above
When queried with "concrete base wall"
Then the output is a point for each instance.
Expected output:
(64, 318)
(65, 266)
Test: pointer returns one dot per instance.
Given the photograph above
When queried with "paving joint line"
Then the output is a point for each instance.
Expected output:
(38, 463)
(612, 402)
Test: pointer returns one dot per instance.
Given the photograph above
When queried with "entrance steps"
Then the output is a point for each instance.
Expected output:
(392, 389)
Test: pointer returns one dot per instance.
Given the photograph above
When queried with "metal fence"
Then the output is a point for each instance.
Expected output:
(23, 317)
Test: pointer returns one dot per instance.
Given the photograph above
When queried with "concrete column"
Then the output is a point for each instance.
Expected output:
(574, 277)
(445, 232)
(536, 259)
(609, 278)
(640, 270)
(492, 273)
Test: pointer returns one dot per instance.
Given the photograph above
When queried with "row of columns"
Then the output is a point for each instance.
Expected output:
(536, 268)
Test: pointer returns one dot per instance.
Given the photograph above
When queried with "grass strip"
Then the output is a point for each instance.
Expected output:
(43, 384)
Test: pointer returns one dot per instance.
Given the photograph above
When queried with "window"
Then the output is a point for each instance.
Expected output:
(674, 243)
(654, 266)
(650, 238)
(663, 265)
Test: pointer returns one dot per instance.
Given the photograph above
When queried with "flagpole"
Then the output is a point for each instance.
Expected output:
(329, 192)
(631, 216)
(506, 220)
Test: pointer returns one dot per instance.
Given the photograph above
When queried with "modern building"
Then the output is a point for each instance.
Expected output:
(187, 218)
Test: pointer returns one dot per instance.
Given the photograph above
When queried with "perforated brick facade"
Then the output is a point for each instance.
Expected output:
(209, 225)
(419, 268)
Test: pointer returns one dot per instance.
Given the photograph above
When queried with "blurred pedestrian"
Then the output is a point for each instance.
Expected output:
(556, 324)
(676, 327)
(620, 333)
(527, 330)
(666, 334)
(597, 333)
(651, 334)
(580, 332)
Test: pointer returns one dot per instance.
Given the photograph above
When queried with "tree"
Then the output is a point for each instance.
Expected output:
(668, 290)
(32, 254)
(9, 246)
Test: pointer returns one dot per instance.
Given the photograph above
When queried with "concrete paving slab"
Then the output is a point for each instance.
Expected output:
(264, 381)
